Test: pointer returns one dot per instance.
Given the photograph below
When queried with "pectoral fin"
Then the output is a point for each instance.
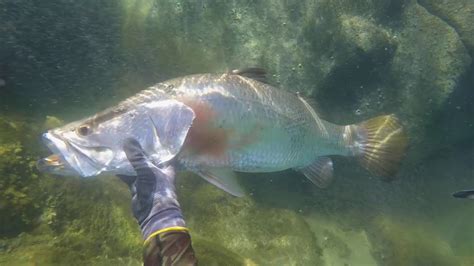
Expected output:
(171, 121)
(224, 179)
(320, 172)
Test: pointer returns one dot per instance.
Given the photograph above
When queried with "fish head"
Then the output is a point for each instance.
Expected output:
(94, 145)
(79, 148)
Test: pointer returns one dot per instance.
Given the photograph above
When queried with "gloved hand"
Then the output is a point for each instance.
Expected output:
(156, 208)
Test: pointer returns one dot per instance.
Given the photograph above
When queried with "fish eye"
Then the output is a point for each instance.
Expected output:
(84, 130)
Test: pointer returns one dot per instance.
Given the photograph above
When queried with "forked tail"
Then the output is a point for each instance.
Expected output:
(379, 144)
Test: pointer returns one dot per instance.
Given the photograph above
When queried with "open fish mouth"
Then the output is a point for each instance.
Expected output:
(71, 158)
(55, 163)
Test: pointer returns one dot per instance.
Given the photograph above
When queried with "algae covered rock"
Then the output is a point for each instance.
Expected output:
(259, 235)
(52, 122)
(459, 14)
(406, 243)
(341, 245)
(364, 35)
(82, 222)
(19, 195)
(429, 63)
(93, 220)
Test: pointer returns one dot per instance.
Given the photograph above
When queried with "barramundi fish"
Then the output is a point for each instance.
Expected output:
(217, 124)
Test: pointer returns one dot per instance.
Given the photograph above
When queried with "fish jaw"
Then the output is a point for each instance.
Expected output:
(67, 158)
(55, 164)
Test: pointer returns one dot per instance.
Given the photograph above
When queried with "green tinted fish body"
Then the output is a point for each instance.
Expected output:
(214, 125)
(250, 126)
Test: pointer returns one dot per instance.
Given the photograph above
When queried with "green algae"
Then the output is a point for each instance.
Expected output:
(62, 220)
(18, 195)
(94, 216)
(409, 243)
(260, 235)
(83, 222)
(213, 254)
(371, 56)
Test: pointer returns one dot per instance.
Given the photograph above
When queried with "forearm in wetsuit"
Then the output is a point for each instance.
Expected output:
(156, 208)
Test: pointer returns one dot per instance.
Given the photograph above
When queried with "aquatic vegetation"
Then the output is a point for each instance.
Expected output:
(357, 59)
(60, 219)
(431, 68)
(260, 235)
(19, 204)
(341, 245)
(458, 14)
(406, 243)
(95, 214)
(82, 221)
(19, 195)
(51, 122)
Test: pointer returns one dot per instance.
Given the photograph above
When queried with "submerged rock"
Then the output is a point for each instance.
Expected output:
(81, 222)
(427, 67)
(259, 235)
(459, 14)
(341, 246)
(407, 243)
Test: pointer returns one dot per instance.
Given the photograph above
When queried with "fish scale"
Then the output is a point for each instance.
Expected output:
(242, 104)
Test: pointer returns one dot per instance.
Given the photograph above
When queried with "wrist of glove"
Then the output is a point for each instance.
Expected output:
(154, 200)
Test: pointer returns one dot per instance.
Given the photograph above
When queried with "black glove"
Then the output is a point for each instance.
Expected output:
(156, 208)
(154, 201)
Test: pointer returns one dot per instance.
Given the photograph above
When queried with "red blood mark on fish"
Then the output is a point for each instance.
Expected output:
(203, 136)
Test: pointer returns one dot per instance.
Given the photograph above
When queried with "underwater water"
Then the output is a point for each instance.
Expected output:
(63, 60)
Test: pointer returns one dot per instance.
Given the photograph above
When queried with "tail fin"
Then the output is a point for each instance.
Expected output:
(380, 144)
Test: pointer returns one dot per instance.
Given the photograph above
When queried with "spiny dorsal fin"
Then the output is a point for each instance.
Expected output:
(311, 109)
(255, 73)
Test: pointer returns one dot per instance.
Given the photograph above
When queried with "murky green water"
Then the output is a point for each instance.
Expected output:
(62, 60)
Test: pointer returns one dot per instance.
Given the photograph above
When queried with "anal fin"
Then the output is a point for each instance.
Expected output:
(224, 179)
(320, 172)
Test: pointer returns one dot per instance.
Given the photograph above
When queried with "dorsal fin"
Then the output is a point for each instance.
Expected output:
(311, 109)
(255, 73)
